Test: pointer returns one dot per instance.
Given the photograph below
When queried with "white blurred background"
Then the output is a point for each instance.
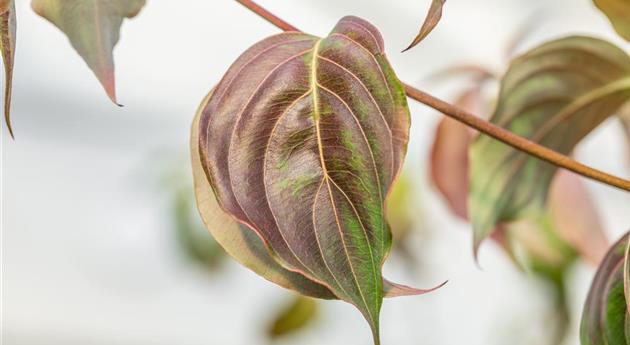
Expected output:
(89, 254)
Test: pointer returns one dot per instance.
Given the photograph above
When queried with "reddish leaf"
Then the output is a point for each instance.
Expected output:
(432, 19)
(449, 155)
(300, 142)
(93, 27)
(575, 217)
(237, 240)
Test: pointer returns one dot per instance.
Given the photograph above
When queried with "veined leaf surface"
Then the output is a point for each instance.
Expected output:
(618, 12)
(93, 27)
(606, 319)
(554, 95)
(7, 48)
(238, 241)
(301, 141)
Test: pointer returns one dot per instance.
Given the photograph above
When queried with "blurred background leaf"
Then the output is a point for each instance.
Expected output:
(195, 241)
(298, 314)
(618, 12)
(548, 95)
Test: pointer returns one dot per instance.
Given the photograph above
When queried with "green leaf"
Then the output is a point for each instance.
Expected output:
(605, 319)
(191, 234)
(93, 27)
(7, 47)
(430, 22)
(401, 208)
(297, 315)
(618, 12)
(300, 142)
(553, 95)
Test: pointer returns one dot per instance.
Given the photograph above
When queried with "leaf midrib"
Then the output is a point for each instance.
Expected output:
(314, 86)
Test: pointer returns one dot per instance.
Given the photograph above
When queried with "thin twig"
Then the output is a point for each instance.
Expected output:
(483, 126)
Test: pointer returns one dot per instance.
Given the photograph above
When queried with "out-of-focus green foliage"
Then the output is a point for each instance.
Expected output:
(548, 95)
(300, 313)
(193, 238)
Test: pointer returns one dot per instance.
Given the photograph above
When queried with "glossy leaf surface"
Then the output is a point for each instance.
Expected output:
(553, 95)
(301, 142)
(93, 27)
(7, 48)
(606, 319)
(618, 12)
(430, 22)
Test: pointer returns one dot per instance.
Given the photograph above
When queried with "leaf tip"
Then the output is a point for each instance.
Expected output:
(7, 120)
(430, 22)
(109, 84)
(391, 290)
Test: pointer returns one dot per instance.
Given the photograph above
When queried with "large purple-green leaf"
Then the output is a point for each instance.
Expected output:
(618, 12)
(93, 27)
(246, 247)
(554, 95)
(7, 48)
(301, 141)
(606, 318)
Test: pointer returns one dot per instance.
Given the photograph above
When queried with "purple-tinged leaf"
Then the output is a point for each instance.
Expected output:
(431, 20)
(238, 241)
(93, 28)
(553, 95)
(300, 142)
(449, 155)
(7, 48)
(575, 217)
(606, 318)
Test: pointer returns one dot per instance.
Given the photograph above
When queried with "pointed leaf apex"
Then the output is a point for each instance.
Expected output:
(108, 81)
(391, 290)
(432, 18)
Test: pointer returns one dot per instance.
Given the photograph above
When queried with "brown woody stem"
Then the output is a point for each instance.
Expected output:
(483, 126)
